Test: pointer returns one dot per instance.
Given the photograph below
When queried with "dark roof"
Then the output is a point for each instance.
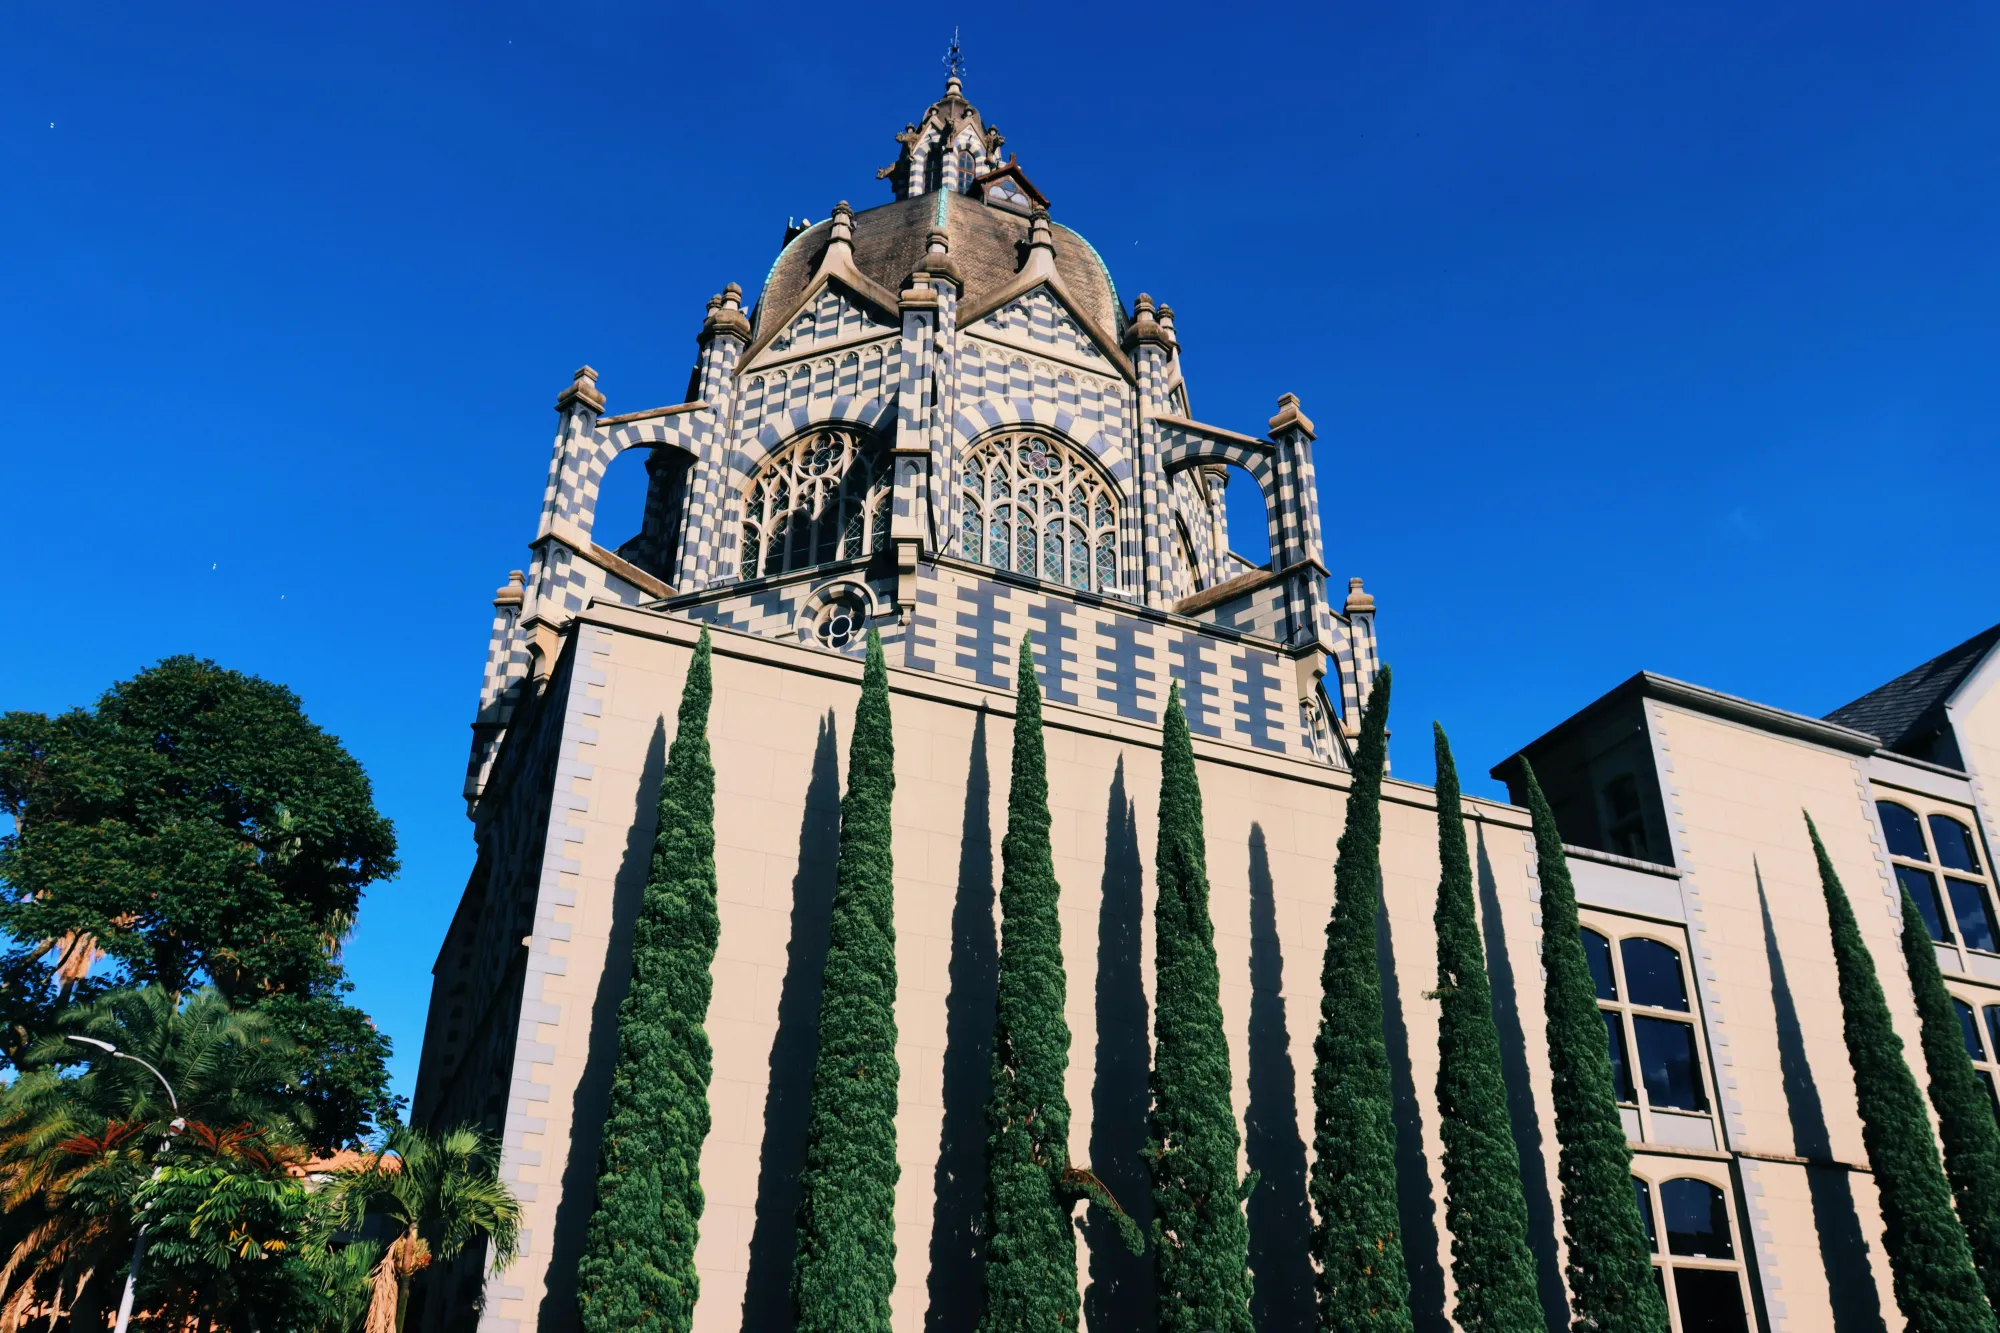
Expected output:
(1912, 705)
(987, 245)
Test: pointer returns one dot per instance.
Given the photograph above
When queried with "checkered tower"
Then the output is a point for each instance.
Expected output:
(940, 420)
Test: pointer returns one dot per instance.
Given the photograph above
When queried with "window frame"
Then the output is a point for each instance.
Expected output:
(861, 488)
(1657, 1173)
(1101, 522)
(1617, 930)
(1985, 1006)
(1924, 810)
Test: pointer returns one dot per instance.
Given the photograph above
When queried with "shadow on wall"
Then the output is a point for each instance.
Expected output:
(1416, 1204)
(767, 1300)
(1280, 1216)
(958, 1268)
(593, 1090)
(1520, 1095)
(1120, 1296)
(1850, 1278)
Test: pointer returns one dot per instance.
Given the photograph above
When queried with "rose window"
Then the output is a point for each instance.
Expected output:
(1037, 507)
(841, 623)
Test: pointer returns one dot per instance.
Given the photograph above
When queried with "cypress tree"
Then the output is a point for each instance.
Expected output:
(1201, 1243)
(1610, 1267)
(846, 1263)
(1936, 1287)
(636, 1273)
(1030, 1184)
(1363, 1285)
(1964, 1109)
(1491, 1265)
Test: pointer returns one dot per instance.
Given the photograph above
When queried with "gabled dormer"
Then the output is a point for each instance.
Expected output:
(950, 149)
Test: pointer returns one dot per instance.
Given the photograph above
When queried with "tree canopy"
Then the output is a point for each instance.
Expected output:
(195, 828)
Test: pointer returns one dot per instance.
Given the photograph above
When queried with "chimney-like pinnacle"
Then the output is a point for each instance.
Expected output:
(937, 259)
(582, 393)
(1358, 602)
(1144, 328)
(513, 591)
(1290, 417)
(725, 316)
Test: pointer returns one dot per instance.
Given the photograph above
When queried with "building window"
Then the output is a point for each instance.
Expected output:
(824, 497)
(1937, 862)
(1981, 1029)
(1698, 1269)
(1037, 507)
(1625, 818)
(1642, 991)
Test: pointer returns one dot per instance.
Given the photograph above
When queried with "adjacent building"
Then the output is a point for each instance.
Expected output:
(941, 420)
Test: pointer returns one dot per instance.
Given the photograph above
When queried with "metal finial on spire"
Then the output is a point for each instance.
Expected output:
(954, 58)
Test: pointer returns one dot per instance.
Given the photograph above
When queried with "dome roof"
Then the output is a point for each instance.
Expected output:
(988, 246)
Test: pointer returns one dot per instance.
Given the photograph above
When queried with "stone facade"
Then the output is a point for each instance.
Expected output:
(941, 421)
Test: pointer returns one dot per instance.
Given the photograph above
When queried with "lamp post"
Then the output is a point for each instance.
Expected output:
(138, 1241)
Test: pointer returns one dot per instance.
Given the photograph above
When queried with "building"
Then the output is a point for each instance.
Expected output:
(940, 419)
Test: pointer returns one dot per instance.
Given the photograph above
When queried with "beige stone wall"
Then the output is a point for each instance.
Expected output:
(1735, 797)
(1975, 715)
(1272, 827)
(1790, 1152)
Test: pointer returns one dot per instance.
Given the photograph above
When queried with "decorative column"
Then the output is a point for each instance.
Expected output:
(916, 411)
(948, 287)
(506, 663)
(1300, 560)
(1151, 352)
(725, 333)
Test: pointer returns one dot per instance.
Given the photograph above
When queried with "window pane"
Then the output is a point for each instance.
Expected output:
(1668, 1064)
(1974, 913)
(1955, 847)
(1899, 825)
(1653, 974)
(1711, 1300)
(1598, 950)
(1645, 1194)
(1921, 885)
(1970, 1027)
(1697, 1221)
(1993, 1097)
(1621, 1068)
(1993, 1024)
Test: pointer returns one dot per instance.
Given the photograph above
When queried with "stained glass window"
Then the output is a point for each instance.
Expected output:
(824, 497)
(1034, 505)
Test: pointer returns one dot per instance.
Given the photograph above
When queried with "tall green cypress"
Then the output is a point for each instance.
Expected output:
(636, 1273)
(1201, 1243)
(1030, 1184)
(1363, 1285)
(1610, 1267)
(1964, 1109)
(1936, 1287)
(846, 1263)
(1491, 1265)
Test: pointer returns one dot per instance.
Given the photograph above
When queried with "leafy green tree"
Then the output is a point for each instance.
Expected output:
(1491, 1264)
(228, 1222)
(1363, 1286)
(1201, 1242)
(1966, 1120)
(437, 1194)
(637, 1272)
(1030, 1184)
(845, 1267)
(76, 1147)
(1936, 1286)
(1610, 1266)
(195, 827)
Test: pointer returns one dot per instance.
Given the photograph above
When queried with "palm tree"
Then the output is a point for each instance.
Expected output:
(75, 1147)
(438, 1193)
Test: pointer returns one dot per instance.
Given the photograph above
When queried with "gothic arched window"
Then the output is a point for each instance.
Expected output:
(1036, 506)
(823, 497)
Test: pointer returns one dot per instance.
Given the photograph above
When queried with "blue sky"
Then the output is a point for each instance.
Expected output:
(1650, 336)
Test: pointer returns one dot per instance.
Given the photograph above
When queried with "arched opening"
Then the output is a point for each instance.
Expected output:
(1033, 503)
(640, 504)
(821, 498)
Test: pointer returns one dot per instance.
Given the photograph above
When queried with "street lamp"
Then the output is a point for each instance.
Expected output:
(138, 1241)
